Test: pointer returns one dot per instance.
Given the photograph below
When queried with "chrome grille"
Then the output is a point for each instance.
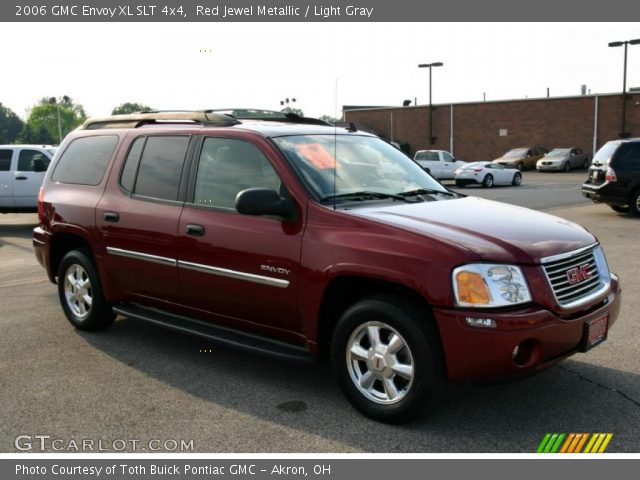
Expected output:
(574, 276)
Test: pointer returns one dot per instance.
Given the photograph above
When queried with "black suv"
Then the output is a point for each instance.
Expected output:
(614, 176)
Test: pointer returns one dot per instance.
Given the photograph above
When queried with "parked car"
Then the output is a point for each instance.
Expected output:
(563, 159)
(487, 174)
(257, 233)
(22, 169)
(523, 158)
(439, 163)
(614, 176)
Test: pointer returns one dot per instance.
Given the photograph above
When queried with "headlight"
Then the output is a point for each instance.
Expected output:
(486, 285)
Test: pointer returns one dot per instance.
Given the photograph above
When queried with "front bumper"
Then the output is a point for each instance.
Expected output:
(474, 353)
(550, 168)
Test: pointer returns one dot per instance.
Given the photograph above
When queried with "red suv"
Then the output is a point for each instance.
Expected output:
(281, 234)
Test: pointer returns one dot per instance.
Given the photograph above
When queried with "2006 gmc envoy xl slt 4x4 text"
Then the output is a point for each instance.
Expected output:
(282, 234)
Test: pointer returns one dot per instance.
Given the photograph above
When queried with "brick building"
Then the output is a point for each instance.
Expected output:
(485, 130)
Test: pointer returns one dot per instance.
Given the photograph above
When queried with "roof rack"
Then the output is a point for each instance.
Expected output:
(218, 118)
(267, 115)
(138, 119)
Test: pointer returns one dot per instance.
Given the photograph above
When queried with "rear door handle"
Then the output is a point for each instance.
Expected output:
(21, 177)
(195, 230)
(112, 217)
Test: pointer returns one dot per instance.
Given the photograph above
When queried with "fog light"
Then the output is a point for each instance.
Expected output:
(481, 322)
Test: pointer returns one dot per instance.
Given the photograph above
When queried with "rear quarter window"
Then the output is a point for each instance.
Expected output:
(85, 160)
(628, 155)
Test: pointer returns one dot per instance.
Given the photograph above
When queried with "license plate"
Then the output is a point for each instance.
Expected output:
(594, 174)
(595, 332)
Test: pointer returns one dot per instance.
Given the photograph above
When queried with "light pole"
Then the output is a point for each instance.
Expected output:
(286, 101)
(429, 66)
(623, 133)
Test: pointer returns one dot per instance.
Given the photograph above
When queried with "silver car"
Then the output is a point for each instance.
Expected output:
(563, 160)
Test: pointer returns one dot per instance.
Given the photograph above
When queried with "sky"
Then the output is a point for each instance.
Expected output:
(322, 65)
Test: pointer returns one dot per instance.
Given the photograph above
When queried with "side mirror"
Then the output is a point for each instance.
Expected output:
(264, 201)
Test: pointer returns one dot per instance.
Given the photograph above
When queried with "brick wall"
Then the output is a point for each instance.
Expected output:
(549, 122)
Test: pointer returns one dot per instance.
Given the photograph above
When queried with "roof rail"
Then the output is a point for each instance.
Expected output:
(135, 120)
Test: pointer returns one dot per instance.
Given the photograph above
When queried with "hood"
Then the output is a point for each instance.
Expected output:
(493, 231)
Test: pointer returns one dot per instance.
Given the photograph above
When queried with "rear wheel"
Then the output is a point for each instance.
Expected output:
(585, 164)
(488, 181)
(387, 358)
(517, 179)
(520, 166)
(460, 184)
(80, 292)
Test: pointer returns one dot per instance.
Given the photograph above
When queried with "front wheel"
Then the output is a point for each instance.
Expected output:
(488, 181)
(459, 184)
(567, 166)
(517, 179)
(80, 292)
(634, 203)
(387, 358)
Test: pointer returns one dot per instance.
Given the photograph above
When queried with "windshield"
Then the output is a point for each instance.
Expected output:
(360, 164)
(605, 153)
(559, 152)
(427, 155)
(516, 152)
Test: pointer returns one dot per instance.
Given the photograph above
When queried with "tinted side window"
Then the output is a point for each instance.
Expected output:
(628, 155)
(229, 166)
(85, 160)
(5, 160)
(161, 167)
(128, 176)
(32, 161)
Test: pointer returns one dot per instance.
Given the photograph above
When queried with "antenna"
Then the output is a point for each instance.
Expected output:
(335, 142)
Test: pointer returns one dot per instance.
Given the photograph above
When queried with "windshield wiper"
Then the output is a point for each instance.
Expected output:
(364, 194)
(423, 191)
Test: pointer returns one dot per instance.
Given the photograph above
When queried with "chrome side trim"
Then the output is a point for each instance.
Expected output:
(223, 272)
(170, 262)
(40, 242)
(562, 256)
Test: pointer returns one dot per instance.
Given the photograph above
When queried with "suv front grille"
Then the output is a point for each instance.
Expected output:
(574, 276)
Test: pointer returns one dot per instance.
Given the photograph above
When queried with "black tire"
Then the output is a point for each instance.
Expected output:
(412, 323)
(487, 181)
(585, 164)
(634, 203)
(460, 184)
(619, 209)
(567, 166)
(520, 166)
(77, 265)
(517, 179)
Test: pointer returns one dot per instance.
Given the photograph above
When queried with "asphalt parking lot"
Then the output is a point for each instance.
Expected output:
(134, 381)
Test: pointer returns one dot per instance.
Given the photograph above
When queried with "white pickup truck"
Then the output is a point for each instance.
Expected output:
(22, 169)
(439, 163)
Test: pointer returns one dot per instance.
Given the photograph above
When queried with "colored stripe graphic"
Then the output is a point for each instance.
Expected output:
(574, 443)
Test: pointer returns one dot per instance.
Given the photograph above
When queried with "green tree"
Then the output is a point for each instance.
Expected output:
(10, 125)
(51, 119)
(130, 107)
(297, 111)
(329, 119)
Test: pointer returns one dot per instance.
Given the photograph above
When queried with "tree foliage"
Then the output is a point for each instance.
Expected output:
(51, 119)
(10, 125)
(130, 107)
(329, 119)
(297, 111)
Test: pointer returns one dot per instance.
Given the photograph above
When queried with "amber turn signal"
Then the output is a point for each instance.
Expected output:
(472, 288)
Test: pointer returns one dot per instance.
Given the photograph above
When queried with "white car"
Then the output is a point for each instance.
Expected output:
(439, 163)
(487, 174)
(22, 169)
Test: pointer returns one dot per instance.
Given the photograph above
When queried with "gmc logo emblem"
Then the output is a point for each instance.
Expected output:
(578, 274)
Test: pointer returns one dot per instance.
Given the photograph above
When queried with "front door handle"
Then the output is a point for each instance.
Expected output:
(112, 217)
(195, 230)
(21, 177)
